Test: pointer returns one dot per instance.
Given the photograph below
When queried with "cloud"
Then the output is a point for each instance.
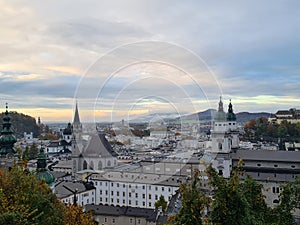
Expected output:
(252, 47)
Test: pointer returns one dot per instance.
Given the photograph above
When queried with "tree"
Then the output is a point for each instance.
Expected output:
(30, 152)
(230, 205)
(74, 215)
(26, 200)
(161, 202)
(194, 203)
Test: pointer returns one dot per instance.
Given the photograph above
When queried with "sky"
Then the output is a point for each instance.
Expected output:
(122, 59)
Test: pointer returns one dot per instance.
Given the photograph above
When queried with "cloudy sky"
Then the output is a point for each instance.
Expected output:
(126, 58)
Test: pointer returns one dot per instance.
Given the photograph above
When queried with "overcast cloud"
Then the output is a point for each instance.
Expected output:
(250, 49)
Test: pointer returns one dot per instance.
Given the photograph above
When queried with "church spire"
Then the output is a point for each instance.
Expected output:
(221, 109)
(76, 116)
(7, 139)
(230, 115)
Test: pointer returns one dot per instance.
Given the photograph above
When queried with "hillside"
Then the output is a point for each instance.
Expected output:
(242, 117)
(22, 123)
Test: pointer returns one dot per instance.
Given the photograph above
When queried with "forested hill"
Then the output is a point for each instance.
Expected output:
(22, 123)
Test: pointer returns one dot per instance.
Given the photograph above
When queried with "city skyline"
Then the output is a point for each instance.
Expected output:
(250, 51)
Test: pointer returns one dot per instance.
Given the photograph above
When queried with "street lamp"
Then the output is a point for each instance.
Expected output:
(74, 193)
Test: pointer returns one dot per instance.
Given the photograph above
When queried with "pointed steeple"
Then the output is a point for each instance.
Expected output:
(76, 116)
(230, 115)
(221, 109)
(7, 139)
(220, 115)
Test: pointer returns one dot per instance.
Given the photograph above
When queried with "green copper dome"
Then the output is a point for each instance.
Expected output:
(42, 172)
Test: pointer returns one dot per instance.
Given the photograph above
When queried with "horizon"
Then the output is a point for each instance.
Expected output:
(120, 60)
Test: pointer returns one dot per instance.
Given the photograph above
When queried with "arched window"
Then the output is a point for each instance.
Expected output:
(92, 165)
(84, 165)
(108, 163)
(99, 165)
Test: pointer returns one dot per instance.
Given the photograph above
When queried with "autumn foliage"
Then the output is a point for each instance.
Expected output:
(28, 201)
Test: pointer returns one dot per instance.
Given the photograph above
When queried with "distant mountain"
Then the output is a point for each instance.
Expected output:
(244, 117)
(154, 117)
(205, 115)
(22, 123)
(208, 114)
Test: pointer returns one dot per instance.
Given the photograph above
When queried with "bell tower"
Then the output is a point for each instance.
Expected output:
(76, 142)
(225, 137)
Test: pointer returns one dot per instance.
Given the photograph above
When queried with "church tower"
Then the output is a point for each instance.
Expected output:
(7, 138)
(76, 142)
(225, 138)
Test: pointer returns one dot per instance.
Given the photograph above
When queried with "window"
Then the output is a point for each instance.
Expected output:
(123, 193)
(118, 200)
(162, 189)
(112, 200)
(169, 189)
(105, 220)
(156, 197)
(118, 185)
(139, 221)
(136, 195)
(149, 187)
(100, 192)
(155, 188)
(129, 194)
(275, 165)
(106, 192)
(150, 204)
(149, 196)
(129, 202)
(113, 220)
(112, 193)
(136, 203)
(123, 201)
(112, 184)
(117, 193)
(258, 164)
(131, 220)
(143, 196)
(144, 203)
(143, 187)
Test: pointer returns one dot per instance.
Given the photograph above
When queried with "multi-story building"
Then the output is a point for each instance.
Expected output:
(291, 115)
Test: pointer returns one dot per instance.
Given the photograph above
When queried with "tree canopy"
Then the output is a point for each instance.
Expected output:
(26, 200)
(234, 201)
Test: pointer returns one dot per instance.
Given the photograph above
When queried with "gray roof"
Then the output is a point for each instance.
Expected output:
(148, 214)
(98, 146)
(76, 116)
(267, 155)
(62, 192)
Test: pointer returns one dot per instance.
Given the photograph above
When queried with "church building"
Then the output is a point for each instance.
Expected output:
(93, 153)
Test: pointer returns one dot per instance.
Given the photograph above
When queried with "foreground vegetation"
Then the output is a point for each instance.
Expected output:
(28, 201)
(233, 202)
